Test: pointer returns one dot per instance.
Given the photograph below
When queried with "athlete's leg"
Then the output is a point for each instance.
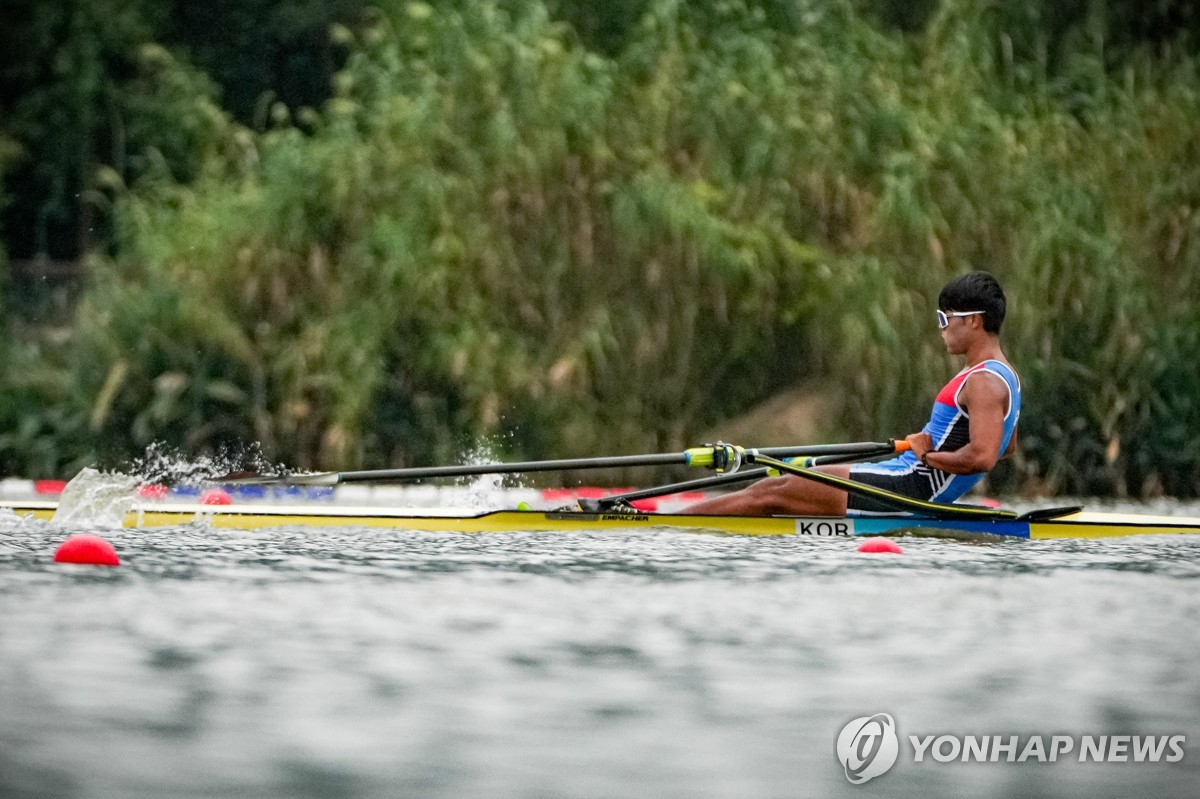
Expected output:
(788, 495)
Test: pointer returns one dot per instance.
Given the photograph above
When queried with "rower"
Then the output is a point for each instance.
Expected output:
(973, 425)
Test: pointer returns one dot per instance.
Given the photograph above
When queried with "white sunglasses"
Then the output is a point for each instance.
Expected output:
(944, 318)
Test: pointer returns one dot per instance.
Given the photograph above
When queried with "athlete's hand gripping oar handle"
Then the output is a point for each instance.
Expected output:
(715, 456)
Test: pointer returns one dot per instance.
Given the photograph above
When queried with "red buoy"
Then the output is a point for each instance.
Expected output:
(216, 496)
(880, 545)
(90, 550)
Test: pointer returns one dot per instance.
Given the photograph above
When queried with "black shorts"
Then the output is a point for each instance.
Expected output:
(919, 483)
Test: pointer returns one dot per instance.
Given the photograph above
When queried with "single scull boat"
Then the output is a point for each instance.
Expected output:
(1063, 523)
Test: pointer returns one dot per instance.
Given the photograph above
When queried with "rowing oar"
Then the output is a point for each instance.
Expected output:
(720, 457)
(746, 476)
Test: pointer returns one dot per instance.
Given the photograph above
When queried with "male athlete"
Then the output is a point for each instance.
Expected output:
(973, 424)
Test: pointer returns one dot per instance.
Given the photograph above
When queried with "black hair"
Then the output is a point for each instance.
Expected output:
(976, 291)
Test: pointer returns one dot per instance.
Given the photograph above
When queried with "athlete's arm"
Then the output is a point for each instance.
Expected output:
(1012, 445)
(984, 397)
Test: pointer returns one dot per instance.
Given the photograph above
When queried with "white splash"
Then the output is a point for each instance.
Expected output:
(480, 492)
(95, 499)
(163, 464)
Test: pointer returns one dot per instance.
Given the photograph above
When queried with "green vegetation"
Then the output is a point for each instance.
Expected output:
(570, 228)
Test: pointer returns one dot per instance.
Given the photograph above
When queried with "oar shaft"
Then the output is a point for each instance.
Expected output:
(466, 470)
(710, 455)
(853, 448)
(618, 461)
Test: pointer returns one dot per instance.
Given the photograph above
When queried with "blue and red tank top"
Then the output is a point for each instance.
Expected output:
(949, 427)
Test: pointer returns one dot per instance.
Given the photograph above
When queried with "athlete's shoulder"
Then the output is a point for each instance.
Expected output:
(987, 383)
(1001, 368)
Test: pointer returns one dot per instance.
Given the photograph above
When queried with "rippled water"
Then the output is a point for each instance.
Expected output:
(345, 663)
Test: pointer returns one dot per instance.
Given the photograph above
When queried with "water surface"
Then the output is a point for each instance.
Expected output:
(326, 662)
